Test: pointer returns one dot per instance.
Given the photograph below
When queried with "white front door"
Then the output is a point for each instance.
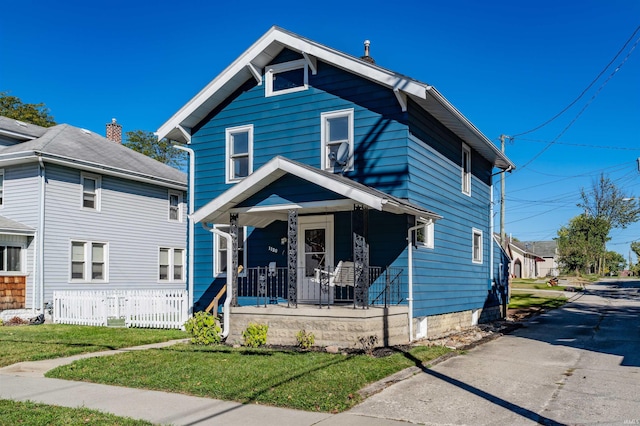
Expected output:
(315, 251)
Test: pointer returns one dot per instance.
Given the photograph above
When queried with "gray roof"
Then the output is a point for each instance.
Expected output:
(542, 248)
(86, 150)
(8, 226)
(19, 130)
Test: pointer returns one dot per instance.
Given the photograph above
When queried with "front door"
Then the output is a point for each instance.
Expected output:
(315, 251)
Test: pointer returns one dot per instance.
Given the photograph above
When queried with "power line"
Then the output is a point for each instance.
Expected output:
(585, 90)
(622, 148)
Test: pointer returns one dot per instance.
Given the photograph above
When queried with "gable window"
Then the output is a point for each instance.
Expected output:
(222, 251)
(239, 152)
(88, 261)
(425, 234)
(1, 187)
(90, 191)
(175, 199)
(10, 259)
(286, 78)
(336, 132)
(466, 170)
(477, 246)
(171, 264)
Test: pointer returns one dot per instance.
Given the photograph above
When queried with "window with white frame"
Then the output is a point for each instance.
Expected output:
(11, 258)
(477, 246)
(466, 170)
(239, 152)
(175, 201)
(222, 250)
(336, 132)
(90, 191)
(286, 77)
(171, 264)
(89, 261)
(1, 187)
(425, 234)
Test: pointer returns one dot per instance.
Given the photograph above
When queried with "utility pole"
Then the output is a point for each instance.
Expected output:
(502, 191)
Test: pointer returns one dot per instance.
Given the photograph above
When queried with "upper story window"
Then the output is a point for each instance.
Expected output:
(1, 187)
(222, 250)
(477, 246)
(466, 170)
(286, 77)
(425, 234)
(171, 264)
(239, 152)
(336, 132)
(10, 258)
(175, 200)
(89, 261)
(90, 191)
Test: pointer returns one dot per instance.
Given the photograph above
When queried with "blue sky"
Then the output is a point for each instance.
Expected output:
(507, 66)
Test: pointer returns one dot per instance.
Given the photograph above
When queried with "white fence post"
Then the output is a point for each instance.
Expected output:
(138, 308)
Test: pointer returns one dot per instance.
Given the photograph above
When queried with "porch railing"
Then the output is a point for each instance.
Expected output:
(262, 286)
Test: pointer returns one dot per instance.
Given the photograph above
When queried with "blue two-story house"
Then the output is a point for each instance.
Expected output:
(336, 196)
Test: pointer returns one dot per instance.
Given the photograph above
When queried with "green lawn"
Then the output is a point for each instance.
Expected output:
(29, 413)
(32, 343)
(312, 381)
(526, 300)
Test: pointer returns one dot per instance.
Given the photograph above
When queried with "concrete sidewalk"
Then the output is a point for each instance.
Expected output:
(26, 382)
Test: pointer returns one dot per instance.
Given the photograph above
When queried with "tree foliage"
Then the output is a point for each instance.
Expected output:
(608, 202)
(581, 244)
(13, 107)
(162, 150)
(614, 262)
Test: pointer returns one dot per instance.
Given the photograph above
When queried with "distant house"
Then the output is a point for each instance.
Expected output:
(80, 212)
(524, 262)
(322, 180)
(548, 252)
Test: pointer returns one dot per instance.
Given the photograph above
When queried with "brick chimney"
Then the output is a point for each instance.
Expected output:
(114, 131)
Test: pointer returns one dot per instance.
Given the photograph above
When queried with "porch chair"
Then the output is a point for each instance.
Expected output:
(342, 274)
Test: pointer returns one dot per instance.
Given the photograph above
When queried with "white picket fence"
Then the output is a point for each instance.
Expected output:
(134, 308)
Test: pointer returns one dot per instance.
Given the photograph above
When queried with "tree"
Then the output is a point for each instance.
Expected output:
(614, 262)
(13, 107)
(607, 202)
(581, 244)
(161, 150)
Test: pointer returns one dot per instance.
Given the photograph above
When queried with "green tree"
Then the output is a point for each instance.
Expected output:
(581, 244)
(13, 107)
(162, 150)
(614, 262)
(635, 246)
(609, 203)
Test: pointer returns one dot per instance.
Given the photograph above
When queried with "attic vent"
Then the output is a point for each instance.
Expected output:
(21, 123)
(86, 131)
(366, 56)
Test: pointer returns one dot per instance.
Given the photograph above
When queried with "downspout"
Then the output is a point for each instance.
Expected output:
(40, 246)
(491, 241)
(191, 230)
(410, 267)
(227, 301)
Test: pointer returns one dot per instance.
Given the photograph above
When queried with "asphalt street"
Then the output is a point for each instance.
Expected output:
(576, 365)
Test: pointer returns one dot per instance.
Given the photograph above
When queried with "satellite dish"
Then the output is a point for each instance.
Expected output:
(342, 156)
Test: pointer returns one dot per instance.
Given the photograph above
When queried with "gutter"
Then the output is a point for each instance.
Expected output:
(39, 276)
(227, 301)
(191, 230)
(410, 267)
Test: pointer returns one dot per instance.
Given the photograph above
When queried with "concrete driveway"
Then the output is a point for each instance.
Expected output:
(575, 365)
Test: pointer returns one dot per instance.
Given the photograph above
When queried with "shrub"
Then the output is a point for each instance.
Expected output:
(203, 328)
(368, 343)
(305, 340)
(255, 335)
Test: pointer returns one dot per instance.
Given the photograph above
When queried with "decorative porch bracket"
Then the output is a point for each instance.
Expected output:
(292, 258)
(233, 231)
(361, 256)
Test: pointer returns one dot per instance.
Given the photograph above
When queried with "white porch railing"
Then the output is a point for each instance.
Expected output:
(134, 308)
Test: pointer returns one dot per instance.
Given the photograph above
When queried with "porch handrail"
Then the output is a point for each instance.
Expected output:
(213, 306)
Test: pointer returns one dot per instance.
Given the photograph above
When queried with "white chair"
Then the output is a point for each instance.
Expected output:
(342, 274)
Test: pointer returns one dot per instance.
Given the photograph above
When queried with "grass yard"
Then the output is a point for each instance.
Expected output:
(312, 381)
(531, 300)
(37, 342)
(29, 413)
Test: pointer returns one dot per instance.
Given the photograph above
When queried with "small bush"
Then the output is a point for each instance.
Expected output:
(368, 343)
(203, 328)
(255, 335)
(305, 340)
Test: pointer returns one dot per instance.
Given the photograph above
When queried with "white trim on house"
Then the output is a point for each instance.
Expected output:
(217, 272)
(2, 198)
(231, 156)
(262, 52)
(171, 264)
(88, 261)
(177, 208)
(477, 246)
(326, 144)
(272, 72)
(92, 196)
(465, 169)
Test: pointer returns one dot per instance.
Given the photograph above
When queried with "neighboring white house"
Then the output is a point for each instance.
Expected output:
(81, 212)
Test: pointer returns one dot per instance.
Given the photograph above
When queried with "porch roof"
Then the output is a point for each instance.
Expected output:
(348, 193)
(11, 227)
